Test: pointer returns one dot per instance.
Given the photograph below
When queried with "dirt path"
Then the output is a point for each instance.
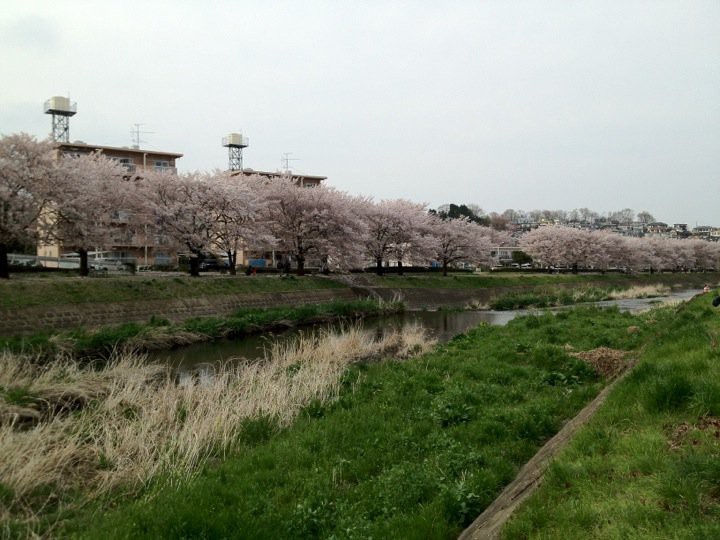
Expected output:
(489, 524)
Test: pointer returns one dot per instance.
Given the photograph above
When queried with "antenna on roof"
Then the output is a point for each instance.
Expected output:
(286, 159)
(136, 133)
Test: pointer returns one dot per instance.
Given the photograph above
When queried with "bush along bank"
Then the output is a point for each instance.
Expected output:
(406, 449)
(648, 464)
(159, 333)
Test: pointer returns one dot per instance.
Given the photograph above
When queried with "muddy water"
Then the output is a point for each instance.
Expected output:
(442, 325)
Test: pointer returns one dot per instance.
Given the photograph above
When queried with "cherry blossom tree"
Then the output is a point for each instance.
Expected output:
(344, 249)
(663, 255)
(237, 205)
(86, 191)
(312, 221)
(183, 208)
(378, 239)
(640, 255)
(707, 254)
(459, 240)
(558, 246)
(683, 255)
(26, 172)
(410, 231)
(608, 249)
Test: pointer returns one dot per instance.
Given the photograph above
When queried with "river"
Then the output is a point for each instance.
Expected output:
(442, 325)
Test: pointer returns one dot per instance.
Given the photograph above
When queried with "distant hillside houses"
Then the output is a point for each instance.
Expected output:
(630, 228)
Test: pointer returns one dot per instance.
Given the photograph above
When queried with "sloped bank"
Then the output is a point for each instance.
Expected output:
(456, 295)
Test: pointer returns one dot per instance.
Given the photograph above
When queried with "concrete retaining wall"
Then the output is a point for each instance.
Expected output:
(34, 319)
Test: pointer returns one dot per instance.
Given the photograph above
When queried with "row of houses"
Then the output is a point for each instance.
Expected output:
(630, 228)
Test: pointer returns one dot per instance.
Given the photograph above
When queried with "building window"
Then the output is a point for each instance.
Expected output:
(128, 163)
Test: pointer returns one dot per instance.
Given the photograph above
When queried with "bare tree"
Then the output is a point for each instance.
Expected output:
(645, 217)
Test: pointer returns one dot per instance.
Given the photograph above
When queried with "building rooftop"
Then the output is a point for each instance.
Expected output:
(82, 145)
(250, 172)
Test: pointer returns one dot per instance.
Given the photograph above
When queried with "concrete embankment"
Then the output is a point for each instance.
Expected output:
(33, 319)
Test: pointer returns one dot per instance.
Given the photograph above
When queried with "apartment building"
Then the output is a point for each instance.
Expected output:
(134, 159)
(143, 248)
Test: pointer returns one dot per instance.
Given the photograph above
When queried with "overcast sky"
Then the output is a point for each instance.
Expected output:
(531, 105)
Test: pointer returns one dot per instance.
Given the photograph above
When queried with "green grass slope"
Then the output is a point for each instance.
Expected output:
(647, 466)
(412, 449)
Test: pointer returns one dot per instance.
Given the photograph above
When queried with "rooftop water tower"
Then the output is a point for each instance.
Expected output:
(61, 109)
(235, 143)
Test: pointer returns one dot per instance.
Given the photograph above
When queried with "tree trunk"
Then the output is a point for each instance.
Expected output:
(575, 268)
(84, 269)
(445, 265)
(300, 265)
(194, 265)
(4, 266)
(378, 266)
(232, 260)
(400, 267)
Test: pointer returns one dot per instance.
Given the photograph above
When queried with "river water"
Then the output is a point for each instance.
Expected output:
(442, 325)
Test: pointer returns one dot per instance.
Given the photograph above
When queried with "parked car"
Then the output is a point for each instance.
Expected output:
(107, 265)
(214, 264)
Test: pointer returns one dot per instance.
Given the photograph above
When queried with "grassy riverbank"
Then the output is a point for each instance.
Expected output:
(161, 334)
(648, 465)
(544, 297)
(394, 449)
(408, 449)
(66, 428)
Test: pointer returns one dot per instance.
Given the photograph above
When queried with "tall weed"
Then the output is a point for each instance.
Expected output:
(65, 426)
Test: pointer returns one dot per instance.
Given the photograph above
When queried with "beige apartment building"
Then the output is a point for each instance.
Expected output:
(138, 248)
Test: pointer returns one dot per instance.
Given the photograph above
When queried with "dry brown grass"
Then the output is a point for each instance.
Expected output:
(640, 291)
(124, 424)
(608, 363)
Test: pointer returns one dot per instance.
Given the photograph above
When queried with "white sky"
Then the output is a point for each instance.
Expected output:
(533, 104)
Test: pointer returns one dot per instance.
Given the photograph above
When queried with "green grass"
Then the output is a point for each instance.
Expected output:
(103, 342)
(648, 464)
(411, 449)
(549, 297)
(57, 290)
